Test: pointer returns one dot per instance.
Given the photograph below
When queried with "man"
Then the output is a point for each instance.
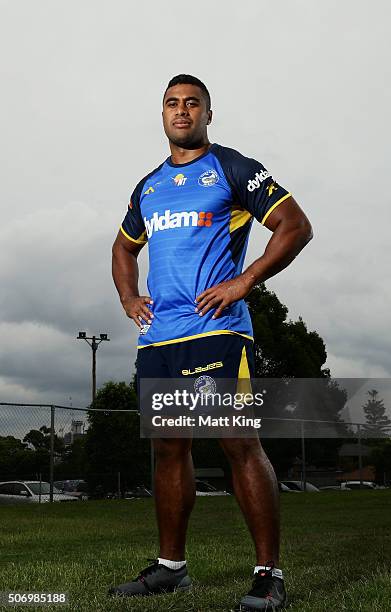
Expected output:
(195, 211)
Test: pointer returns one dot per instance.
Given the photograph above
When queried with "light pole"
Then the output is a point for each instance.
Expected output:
(93, 342)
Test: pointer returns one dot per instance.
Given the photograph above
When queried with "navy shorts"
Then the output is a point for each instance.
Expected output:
(229, 356)
(213, 368)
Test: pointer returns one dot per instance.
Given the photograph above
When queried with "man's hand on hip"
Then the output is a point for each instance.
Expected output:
(222, 295)
(136, 308)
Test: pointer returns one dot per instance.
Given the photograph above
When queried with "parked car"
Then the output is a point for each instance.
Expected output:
(204, 488)
(111, 495)
(297, 485)
(138, 492)
(30, 492)
(77, 488)
(352, 485)
(333, 488)
(284, 489)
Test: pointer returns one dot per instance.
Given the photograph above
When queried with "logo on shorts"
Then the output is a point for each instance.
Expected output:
(208, 178)
(205, 385)
(199, 369)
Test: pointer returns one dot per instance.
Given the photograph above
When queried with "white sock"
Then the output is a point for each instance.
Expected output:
(275, 571)
(175, 565)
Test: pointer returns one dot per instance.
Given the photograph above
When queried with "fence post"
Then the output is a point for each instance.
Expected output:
(119, 485)
(52, 409)
(359, 453)
(152, 469)
(303, 473)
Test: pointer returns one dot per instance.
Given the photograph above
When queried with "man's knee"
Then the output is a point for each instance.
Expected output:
(167, 448)
(240, 449)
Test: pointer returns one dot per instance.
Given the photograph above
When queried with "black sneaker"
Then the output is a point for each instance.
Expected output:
(154, 579)
(267, 593)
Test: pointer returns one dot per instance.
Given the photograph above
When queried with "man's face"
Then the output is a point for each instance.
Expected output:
(185, 116)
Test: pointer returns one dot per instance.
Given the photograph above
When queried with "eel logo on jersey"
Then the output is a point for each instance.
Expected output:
(257, 181)
(169, 220)
(208, 178)
(179, 180)
(205, 385)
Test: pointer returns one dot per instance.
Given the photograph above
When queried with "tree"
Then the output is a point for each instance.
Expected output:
(283, 348)
(73, 464)
(378, 423)
(113, 442)
(15, 458)
(286, 351)
(39, 439)
(381, 458)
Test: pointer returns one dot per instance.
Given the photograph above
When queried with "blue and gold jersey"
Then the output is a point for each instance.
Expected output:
(196, 218)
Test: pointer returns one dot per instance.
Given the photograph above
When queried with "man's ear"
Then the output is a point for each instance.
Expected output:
(210, 115)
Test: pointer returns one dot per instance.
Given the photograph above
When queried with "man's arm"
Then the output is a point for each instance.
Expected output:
(125, 276)
(291, 232)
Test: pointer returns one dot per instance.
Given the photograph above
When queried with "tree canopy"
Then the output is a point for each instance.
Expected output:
(113, 441)
(283, 347)
(378, 424)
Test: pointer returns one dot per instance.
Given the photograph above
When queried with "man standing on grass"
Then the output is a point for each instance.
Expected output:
(195, 211)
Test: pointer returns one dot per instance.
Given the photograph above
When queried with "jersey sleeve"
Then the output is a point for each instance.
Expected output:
(133, 227)
(253, 187)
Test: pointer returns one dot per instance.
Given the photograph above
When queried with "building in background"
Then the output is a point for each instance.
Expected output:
(77, 431)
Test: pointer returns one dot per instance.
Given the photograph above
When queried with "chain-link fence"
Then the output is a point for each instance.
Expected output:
(49, 444)
(95, 454)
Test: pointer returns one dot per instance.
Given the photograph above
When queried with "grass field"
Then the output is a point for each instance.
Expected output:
(336, 552)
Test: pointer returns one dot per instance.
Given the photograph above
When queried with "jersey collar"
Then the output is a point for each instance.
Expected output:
(196, 159)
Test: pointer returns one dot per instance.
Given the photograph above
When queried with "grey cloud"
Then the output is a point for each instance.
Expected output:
(304, 87)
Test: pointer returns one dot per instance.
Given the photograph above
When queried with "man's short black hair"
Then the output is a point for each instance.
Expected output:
(188, 79)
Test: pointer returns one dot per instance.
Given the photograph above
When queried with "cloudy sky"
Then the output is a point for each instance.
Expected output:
(302, 86)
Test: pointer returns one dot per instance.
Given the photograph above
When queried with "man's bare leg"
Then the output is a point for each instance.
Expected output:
(256, 490)
(174, 494)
